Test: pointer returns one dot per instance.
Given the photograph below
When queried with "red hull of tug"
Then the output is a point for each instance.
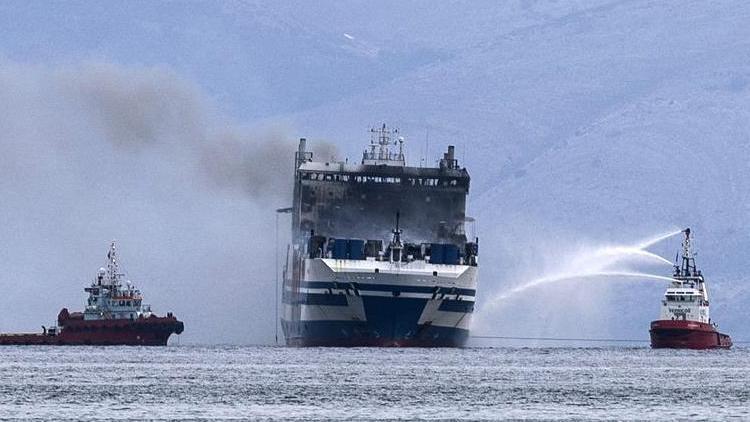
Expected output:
(151, 331)
(687, 335)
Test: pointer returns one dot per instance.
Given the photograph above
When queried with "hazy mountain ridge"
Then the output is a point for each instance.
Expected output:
(520, 94)
(676, 156)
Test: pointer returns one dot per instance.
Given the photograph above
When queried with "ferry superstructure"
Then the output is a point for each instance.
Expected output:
(684, 321)
(379, 253)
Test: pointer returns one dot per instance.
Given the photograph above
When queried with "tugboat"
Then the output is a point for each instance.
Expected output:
(684, 321)
(114, 315)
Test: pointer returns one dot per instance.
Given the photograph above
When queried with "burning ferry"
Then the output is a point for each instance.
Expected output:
(684, 322)
(379, 253)
(114, 315)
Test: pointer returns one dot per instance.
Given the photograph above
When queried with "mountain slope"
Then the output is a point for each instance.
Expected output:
(603, 126)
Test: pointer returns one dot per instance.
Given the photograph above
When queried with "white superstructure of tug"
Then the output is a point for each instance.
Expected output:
(687, 297)
(110, 298)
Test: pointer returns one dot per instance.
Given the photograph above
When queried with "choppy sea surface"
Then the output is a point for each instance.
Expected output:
(277, 383)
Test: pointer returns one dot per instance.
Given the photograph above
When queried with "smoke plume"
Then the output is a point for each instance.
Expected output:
(97, 151)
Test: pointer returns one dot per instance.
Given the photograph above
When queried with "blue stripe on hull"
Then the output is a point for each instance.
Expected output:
(390, 321)
(387, 287)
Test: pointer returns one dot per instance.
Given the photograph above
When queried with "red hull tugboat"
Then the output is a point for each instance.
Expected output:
(684, 322)
(114, 315)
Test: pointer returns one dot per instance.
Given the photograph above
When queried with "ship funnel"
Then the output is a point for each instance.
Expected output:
(302, 155)
(449, 158)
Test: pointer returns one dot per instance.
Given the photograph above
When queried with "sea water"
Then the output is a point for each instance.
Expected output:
(278, 383)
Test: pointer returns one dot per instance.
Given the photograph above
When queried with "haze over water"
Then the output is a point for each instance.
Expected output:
(275, 383)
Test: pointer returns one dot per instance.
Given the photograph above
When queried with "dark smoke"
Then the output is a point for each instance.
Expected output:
(98, 151)
(156, 110)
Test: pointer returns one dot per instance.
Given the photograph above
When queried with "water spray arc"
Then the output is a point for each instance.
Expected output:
(597, 263)
(564, 277)
(653, 241)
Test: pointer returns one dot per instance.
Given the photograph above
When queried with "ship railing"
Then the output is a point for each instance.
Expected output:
(687, 278)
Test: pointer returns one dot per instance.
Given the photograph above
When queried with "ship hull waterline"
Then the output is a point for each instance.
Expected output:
(142, 332)
(386, 322)
(680, 334)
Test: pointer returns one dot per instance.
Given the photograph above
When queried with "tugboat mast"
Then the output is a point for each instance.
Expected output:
(687, 272)
(112, 265)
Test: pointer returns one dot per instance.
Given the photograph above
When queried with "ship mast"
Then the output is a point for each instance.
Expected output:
(112, 266)
(687, 271)
(688, 261)
(380, 148)
(396, 246)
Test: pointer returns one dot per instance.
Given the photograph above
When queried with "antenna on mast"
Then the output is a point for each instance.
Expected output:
(112, 265)
(380, 153)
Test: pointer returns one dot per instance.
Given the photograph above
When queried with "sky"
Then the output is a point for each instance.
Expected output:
(169, 126)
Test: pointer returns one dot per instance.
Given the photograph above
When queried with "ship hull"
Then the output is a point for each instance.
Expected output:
(389, 310)
(141, 332)
(687, 335)
(388, 322)
(339, 334)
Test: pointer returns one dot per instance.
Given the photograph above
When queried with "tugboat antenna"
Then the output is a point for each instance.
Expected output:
(688, 260)
(112, 264)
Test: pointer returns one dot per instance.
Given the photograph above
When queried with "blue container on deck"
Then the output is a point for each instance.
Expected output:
(436, 253)
(356, 249)
(450, 254)
(340, 247)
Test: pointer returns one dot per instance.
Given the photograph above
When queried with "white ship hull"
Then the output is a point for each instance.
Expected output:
(378, 303)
